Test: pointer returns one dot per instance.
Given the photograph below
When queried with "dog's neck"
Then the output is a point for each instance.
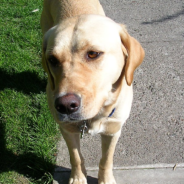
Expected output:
(85, 126)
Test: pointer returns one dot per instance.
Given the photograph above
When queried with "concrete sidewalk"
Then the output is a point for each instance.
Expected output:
(148, 174)
(154, 133)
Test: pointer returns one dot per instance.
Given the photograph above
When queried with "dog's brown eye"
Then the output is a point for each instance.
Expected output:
(53, 61)
(93, 54)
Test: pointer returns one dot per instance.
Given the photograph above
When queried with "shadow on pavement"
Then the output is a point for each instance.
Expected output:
(166, 18)
(63, 174)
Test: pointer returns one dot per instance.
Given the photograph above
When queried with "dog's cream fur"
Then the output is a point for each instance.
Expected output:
(71, 29)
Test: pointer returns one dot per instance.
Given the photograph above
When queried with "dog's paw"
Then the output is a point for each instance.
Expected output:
(77, 177)
(107, 181)
(105, 177)
(77, 181)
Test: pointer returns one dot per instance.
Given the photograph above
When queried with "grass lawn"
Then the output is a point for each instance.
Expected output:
(28, 134)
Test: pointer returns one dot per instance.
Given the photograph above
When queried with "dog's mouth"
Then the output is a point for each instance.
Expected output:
(77, 118)
(71, 118)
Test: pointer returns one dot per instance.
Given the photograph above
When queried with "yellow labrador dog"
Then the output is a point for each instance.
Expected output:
(90, 61)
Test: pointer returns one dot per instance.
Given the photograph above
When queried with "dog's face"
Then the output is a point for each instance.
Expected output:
(84, 58)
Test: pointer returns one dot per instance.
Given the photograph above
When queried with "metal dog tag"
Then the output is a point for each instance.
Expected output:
(83, 129)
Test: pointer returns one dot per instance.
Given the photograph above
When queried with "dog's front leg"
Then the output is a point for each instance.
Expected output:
(78, 173)
(105, 174)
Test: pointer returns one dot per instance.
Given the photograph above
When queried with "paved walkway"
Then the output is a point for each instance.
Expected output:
(154, 133)
(148, 174)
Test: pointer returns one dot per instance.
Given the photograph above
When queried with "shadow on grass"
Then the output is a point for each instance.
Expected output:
(28, 164)
(26, 82)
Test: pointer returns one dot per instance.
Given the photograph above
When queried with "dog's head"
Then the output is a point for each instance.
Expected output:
(86, 58)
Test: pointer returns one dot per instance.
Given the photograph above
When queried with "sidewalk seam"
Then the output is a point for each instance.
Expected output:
(151, 166)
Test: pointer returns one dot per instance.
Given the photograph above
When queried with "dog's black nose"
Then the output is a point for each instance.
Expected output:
(68, 103)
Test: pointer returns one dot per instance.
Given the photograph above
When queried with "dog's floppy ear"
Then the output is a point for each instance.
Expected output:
(45, 64)
(134, 54)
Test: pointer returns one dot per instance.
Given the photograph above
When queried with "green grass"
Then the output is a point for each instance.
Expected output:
(28, 133)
